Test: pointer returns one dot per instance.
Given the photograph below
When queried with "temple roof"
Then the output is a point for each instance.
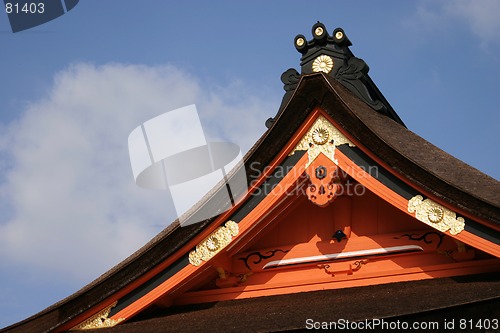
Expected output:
(379, 129)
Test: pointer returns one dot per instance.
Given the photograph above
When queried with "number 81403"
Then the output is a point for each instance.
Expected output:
(27, 8)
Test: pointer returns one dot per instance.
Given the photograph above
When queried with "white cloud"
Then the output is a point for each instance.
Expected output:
(478, 16)
(482, 17)
(68, 186)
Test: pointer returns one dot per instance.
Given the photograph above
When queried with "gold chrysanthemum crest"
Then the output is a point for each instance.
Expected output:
(435, 215)
(322, 137)
(214, 243)
(323, 63)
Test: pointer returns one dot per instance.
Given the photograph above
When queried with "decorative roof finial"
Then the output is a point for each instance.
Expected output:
(323, 53)
(330, 54)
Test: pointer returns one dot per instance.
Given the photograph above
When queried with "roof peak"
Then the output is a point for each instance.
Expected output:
(330, 54)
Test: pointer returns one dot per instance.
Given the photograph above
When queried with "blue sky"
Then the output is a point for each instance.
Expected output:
(74, 88)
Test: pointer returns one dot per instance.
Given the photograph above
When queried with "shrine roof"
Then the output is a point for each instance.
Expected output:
(372, 123)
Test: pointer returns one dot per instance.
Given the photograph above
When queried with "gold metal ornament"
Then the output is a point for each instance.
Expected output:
(339, 35)
(214, 243)
(435, 215)
(320, 136)
(323, 63)
(318, 31)
(312, 141)
(99, 320)
(300, 41)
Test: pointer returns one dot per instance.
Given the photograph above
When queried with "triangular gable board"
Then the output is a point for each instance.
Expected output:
(340, 195)
(331, 224)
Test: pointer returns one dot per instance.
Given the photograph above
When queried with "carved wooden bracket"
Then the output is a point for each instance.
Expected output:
(325, 181)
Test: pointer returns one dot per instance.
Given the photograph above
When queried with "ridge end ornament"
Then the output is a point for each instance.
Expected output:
(322, 137)
(214, 243)
(330, 54)
(435, 215)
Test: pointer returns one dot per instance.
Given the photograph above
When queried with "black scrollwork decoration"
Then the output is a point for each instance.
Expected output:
(290, 79)
(354, 77)
(424, 237)
(260, 256)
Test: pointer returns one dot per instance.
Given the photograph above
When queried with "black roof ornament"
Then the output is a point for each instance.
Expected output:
(323, 53)
(330, 54)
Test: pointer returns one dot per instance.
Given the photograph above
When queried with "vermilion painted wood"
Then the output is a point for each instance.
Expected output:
(343, 281)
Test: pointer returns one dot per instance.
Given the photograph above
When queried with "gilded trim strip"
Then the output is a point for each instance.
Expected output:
(214, 243)
(99, 320)
(322, 137)
(435, 215)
